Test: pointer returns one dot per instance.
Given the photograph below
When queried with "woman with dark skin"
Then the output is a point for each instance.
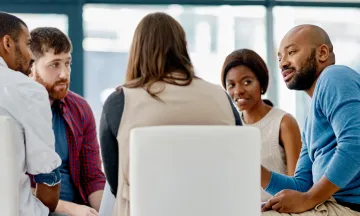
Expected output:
(245, 77)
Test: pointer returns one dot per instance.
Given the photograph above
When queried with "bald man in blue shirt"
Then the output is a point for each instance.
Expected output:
(327, 177)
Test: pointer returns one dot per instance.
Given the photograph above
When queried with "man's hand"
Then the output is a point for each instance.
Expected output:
(73, 209)
(290, 201)
(82, 210)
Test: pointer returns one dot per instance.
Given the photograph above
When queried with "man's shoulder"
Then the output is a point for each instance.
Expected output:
(74, 97)
(337, 73)
(21, 89)
(338, 76)
(76, 102)
(16, 79)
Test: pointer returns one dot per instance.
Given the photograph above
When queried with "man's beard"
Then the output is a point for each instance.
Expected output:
(53, 94)
(21, 63)
(305, 77)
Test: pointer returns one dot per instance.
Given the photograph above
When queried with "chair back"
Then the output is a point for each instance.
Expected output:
(195, 171)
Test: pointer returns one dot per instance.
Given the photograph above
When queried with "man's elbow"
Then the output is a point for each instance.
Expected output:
(95, 199)
(48, 195)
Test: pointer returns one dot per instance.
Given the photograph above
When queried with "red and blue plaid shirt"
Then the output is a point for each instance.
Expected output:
(84, 155)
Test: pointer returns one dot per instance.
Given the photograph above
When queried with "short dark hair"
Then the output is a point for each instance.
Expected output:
(44, 39)
(250, 59)
(10, 25)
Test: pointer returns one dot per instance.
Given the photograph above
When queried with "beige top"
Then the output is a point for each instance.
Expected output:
(272, 153)
(200, 103)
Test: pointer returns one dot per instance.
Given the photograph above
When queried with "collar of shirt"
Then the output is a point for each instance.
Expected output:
(61, 105)
(3, 63)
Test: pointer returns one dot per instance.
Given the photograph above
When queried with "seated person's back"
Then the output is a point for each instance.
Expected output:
(165, 93)
(200, 103)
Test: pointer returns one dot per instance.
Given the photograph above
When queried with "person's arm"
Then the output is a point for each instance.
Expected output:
(289, 193)
(109, 126)
(92, 177)
(73, 209)
(340, 103)
(290, 201)
(291, 139)
(32, 111)
(48, 195)
(95, 199)
(302, 181)
(322, 191)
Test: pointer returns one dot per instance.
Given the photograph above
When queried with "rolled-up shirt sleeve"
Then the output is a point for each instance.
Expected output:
(29, 104)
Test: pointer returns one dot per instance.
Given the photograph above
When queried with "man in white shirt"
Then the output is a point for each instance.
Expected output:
(27, 102)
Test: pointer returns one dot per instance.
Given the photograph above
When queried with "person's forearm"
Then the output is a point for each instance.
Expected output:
(95, 199)
(265, 177)
(64, 207)
(322, 191)
(48, 195)
(273, 182)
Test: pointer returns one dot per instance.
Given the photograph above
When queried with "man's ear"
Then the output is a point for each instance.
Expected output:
(32, 69)
(8, 43)
(323, 53)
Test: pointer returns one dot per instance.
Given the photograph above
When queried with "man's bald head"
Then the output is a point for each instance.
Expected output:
(313, 34)
(304, 52)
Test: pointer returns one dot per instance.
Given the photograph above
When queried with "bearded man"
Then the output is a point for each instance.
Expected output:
(82, 179)
(327, 176)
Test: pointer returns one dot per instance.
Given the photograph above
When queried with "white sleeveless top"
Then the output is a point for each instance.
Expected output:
(272, 153)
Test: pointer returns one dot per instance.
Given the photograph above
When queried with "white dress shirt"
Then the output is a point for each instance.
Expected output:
(28, 103)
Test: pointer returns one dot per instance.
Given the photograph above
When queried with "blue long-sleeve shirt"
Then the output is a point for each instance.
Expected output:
(331, 138)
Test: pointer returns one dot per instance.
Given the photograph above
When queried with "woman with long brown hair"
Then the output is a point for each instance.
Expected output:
(160, 89)
(246, 77)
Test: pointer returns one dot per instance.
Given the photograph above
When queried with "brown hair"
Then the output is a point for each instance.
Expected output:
(46, 38)
(250, 59)
(158, 49)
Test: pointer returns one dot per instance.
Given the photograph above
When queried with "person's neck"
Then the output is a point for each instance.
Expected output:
(256, 113)
(311, 90)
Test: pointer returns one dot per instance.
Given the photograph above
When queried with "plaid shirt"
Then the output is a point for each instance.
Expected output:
(84, 156)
